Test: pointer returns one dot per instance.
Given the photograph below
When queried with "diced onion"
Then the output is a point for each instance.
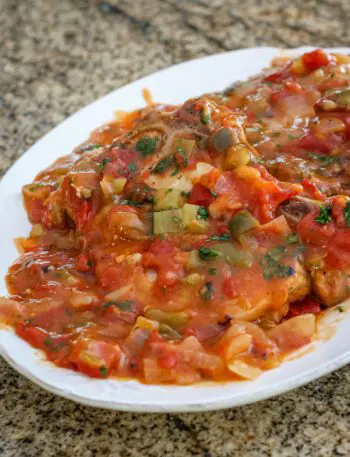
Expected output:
(244, 370)
(119, 293)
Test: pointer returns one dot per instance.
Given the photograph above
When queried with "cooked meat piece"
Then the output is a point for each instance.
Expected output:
(331, 286)
(298, 284)
(296, 208)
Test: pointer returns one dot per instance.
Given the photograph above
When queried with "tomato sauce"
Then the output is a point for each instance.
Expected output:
(192, 242)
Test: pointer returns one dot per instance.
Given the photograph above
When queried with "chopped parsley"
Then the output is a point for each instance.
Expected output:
(202, 213)
(214, 194)
(146, 145)
(325, 215)
(340, 309)
(104, 163)
(212, 271)
(129, 202)
(207, 291)
(122, 305)
(207, 253)
(175, 172)
(347, 213)
(272, 267)
(163, 165)
(220, 237)
(49, 343)
(104, 371)
(183, 156)
(325, 160)
(132, 167)
(292, 137)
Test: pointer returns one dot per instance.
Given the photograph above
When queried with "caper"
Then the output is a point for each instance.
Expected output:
(222, 139)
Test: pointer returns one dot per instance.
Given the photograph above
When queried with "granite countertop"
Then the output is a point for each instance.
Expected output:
(57, 56)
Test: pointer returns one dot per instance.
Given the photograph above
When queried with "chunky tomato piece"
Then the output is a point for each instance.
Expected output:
(163, 257)
(311, 142)
(307, 305)
(83, 214)
(313, 232)
(201, 196)
(230, 287)
(168, 361)
(315, 59)
(41, 338)
(95, 358)
(83, 262)
(339, 249)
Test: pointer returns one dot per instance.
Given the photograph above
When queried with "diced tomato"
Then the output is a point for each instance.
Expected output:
(120, 159)
(339, 249)
(162, 256)
(275, 77)
(337, 257)
(312, 232)
(229, 287)
(339, 203)
(307, 305)
(83, 214)
(346, 120)
(41, 338)
(200, 195)
(34, 335)
(312, 190)
(95, 358)
(111, 276)
(168, 361)
(310, 142)
(293, 86)
(315, 59)
(83, 262)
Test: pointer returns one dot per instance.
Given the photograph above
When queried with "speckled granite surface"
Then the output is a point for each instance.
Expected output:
(57, 56)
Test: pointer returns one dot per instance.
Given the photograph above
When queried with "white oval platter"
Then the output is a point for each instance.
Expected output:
(172, 85)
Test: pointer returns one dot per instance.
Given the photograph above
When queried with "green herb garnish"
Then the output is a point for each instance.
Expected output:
(202, 213)
(325, 160)
(325, 215)
(207, 253)
(129, 202)
(132, 167)
(347, 213)
(175, 172)
(104, 163)
(104, 371)
(214, 194)
(146, 145)
(212, 271)
(221, 237)
(272, 267)
(292, 137)
(163, 165)
(207, 291)
(184, 157)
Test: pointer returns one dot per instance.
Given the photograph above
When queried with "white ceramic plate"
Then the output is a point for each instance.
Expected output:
(172, 85)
